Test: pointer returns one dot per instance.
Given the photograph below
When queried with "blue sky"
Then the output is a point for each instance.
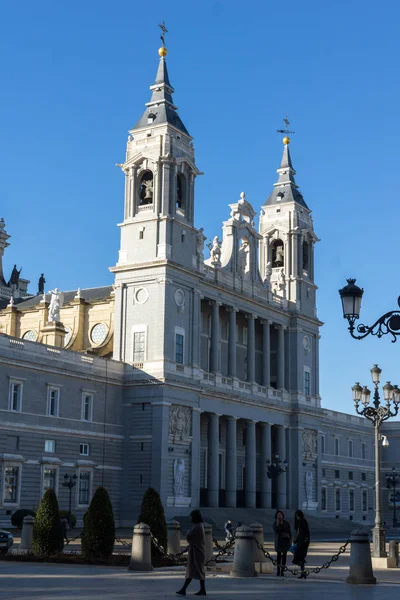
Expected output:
(75, 78)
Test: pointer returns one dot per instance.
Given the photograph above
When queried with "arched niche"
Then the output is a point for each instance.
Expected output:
(278, 254)
(181, 192)
(146, 189)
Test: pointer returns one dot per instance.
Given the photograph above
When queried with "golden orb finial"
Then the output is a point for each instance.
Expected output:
(286, 140)
(162, 51)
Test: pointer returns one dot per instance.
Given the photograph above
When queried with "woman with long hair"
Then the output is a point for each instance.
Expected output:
(283, 540)
(196, 555)
(302, 540)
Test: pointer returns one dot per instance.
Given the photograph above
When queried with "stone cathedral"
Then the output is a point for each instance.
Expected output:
(196, 372)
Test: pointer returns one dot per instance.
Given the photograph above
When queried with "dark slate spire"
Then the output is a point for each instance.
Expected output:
(286, 190)
(161, 108)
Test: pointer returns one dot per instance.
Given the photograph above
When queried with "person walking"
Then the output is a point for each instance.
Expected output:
(283, 541)
(229, 530)
(302, 541)
(196, 555)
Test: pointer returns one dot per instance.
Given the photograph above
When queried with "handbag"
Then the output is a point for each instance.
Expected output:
(293, 548)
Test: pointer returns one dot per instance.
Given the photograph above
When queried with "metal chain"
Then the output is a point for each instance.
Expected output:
(164, 552)
(222, 550)
(306, 572)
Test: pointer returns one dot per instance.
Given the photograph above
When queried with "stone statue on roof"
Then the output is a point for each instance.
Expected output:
(41, 283)
(56, 302)
(215, 251)
(14, 279)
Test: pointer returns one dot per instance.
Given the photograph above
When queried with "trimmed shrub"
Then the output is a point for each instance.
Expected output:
(64, 514)
(47, 531)
(98, 535)
(152, 513)
(17, 518)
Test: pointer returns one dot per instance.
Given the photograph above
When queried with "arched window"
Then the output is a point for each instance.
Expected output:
(180, 191)
(146, 188)
(278, 254)
(306, 253)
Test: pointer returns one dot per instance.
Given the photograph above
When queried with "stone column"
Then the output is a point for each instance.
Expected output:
(266, 354)
(213, 460)
(265, 454)
(215, 337)
(195, 458)
(133, 192)
(159, 448)
(281, 479)
(250, 461)
(316, 369)
(231, 462)
(165, 195)
(196, 329)
(251, 349)
(281, 358)
(232, 343)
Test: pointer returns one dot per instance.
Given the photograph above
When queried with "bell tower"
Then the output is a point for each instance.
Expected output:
(160, 172)
(287, 250)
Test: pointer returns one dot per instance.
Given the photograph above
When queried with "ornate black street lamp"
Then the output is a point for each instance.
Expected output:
(69, 482)
(275, 468)
(351, 296)
(392, 482)
(377, 414)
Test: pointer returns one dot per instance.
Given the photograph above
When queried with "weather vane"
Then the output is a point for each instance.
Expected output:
(164, 30)
(285, 131)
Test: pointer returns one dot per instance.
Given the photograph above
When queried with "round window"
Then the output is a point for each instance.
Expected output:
(99, 333)
(30, 335)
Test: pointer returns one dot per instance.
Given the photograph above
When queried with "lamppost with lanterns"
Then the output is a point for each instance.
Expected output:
(377, 414)
(351, 296)
(69, 482)
(392, 482)
(275, 468)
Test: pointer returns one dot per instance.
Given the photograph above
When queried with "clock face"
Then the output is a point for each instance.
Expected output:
(99, 333)
(30, 336)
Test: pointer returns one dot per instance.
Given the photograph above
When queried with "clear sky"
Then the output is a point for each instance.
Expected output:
(75, 77)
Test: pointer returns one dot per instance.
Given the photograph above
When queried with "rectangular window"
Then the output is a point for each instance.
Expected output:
(84, 488)
(363, 477)
(324, 473)
(49, 479)
(337, 446)
(53, 401)
(365, 500)
(307, 383)
(350, 448)
(351, 500)
(351, 475)
(323, 498)
(337, 499)
(322, 444)
(139, 346)
(337, 474)
(15, 401)
(11, 484)
(179, 348)
(244, 331)
(84, 449)
(244, 438)
(87, 407)
(50, 446)
(363, 450)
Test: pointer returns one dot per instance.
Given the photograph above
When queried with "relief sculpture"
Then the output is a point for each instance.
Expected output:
(180, 421)
(309, 442)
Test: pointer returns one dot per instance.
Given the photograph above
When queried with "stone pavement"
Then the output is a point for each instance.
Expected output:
(23, 581)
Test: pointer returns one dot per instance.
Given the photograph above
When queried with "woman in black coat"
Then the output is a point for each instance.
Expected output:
(302, 540)
(283, 541)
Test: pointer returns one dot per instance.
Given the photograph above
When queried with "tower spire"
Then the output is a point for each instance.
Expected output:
(285, 189)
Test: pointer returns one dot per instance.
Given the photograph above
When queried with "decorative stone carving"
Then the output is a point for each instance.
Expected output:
(179, 477)
(309, 485)
(180, 421)
(56, 302)
(309, 442)
(215, 252)
(141, 295)
(307, 344)
(244, 258)
(179, 297)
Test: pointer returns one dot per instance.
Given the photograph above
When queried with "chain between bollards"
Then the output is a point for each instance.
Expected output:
(306, 572)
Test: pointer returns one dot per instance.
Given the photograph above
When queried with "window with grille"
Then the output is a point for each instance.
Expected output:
(84, 449)
(15, 396)
(179, 348)
(323, 499)
(49, 479)
(337, 499)
(53, 401)
(139, 346)
(351, 500)
(337, 474)
(351, 475)
(307, 383)
(363, 477)
(11, 484)
(364, 500)
(84, 487)
(87, 407)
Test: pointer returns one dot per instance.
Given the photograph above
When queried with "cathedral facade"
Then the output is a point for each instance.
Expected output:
(198, 376)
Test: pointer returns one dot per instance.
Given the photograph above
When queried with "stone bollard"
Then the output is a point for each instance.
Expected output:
(393, 558)
(27, 534)
(174, 537)
(243, 559)
(360, 559)
(262, 564)
(209, 541)
(141, 549)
